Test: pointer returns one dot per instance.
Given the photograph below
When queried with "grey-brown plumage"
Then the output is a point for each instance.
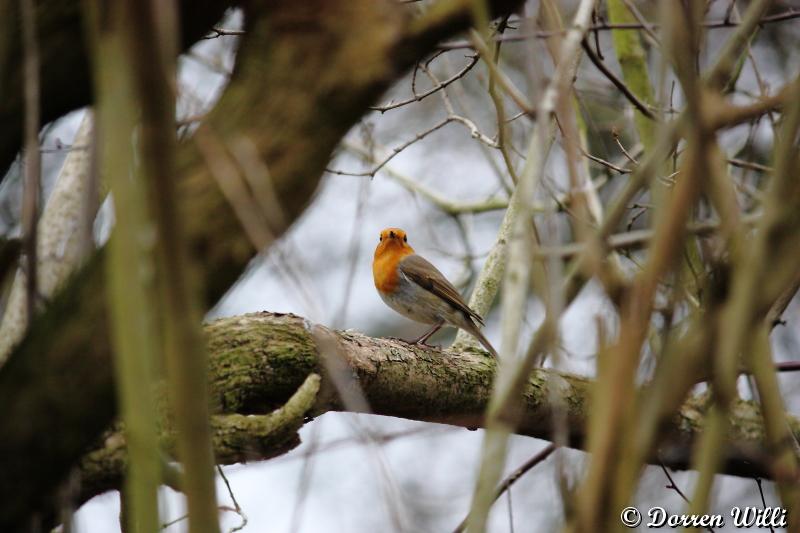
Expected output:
(416, 289)
(444, 306)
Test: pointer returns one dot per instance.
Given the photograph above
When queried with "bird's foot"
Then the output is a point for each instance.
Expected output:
(416, 342)
(425, 345)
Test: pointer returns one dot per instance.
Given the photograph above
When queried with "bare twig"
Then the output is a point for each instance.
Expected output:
(225, 170)
(637, 238)
(514, 371)
(439, 200)
(451, 113)
(396, 150)
(236, 507)
(646, 25)
(473, 60)
(749, 164)
(624, 151)
(515, 476)
(601, 161)
(673, 486)
(788, 366)
(758, 482)
(617, 82)
(789, 14)
(222, 32)
(30, 207)
(502, 78)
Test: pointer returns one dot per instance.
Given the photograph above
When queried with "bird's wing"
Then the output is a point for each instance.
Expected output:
(424, 274)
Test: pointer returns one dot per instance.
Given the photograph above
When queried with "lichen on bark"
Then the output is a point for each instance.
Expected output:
(262, 360)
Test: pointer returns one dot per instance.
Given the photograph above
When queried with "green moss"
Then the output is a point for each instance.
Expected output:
(633, 60)
(258, 360)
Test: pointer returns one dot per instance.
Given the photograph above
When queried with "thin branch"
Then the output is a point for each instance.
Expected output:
(788, 366)
(30, 202)
(637, 238)
(501, 77)
(624, 151)
(473, 60)
(396, 150)
(515, 476)
(439, 200)
(646, 25)
(760, 488)
(617, 82)
(514, 371)
(673, 486)
(451, 113)
(749, 165)
(236, 507)
(510, 512)
(601, 161)
(222, 32)
(418, 137)
(605, 26)
(727, 115)
(789, 14)
(153, 56)
(131, 300)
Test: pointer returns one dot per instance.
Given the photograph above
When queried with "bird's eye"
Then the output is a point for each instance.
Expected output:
(380, 237)
(391, 235)
(405, 238)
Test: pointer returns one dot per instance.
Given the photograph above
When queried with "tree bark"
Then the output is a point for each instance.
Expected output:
(65, 83)
(305, 73)
(262, 361)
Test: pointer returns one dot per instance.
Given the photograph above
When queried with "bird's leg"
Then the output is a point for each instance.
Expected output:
(427, 335)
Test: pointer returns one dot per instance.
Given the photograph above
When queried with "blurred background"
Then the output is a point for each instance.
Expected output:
(357, 473)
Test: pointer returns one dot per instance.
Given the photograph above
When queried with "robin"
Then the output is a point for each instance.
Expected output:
(414, 288)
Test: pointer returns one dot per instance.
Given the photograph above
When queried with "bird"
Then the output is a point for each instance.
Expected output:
(413, 287)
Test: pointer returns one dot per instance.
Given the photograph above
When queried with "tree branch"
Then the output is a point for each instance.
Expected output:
(237, 438)
(64, 61)
(263, 360)
(293, 95)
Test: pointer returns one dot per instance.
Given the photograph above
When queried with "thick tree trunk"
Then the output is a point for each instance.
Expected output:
(66, 84)
(305, 73)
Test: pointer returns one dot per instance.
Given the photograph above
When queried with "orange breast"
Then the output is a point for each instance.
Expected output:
(384, 267)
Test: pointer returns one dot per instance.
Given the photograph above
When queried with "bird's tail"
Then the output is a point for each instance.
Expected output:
(474, 330)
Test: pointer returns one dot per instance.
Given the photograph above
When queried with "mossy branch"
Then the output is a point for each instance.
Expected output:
(293, 96)
(263, 360)
(633, 61)
(237, 438)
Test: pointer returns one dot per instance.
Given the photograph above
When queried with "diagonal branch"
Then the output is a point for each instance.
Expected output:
(64, 61)
(293, 95)
(618, 83)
